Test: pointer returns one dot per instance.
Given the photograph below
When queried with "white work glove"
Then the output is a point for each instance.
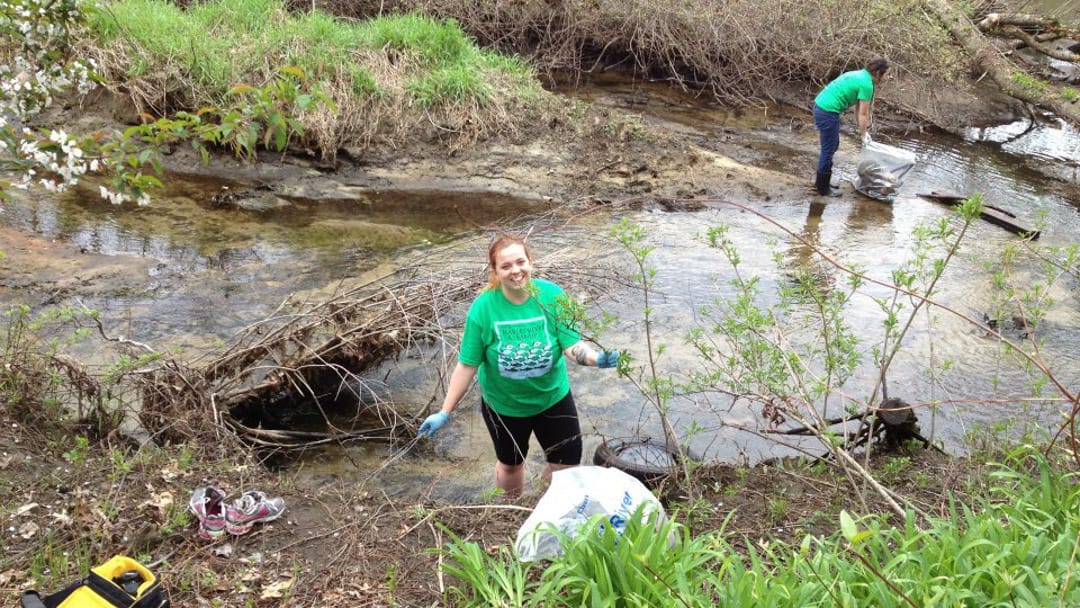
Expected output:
(866, 139)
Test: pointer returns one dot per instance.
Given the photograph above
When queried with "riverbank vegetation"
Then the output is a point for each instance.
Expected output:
(744, 51)
(1000, 526)
(390, 79)
(1014, 545)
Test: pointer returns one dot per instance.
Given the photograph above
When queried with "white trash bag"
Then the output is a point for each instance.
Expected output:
(882, 169)
(575, 495)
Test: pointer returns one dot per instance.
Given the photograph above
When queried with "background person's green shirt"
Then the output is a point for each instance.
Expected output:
(518, 349)
(845, 90)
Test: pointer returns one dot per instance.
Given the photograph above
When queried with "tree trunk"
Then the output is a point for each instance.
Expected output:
(1000, 69)
(1033, 43)
(1032, 21)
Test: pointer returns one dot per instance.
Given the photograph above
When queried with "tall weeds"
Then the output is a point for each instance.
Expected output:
(389, 78)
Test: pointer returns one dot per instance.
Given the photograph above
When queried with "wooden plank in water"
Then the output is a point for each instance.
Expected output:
(995, 215)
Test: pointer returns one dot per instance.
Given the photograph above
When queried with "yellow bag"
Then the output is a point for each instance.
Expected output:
(120, 582)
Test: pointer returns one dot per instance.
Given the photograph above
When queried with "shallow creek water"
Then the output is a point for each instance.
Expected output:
(218, 270)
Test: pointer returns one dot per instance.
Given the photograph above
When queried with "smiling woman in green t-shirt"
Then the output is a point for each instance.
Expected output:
(855, 88)
(517, 340)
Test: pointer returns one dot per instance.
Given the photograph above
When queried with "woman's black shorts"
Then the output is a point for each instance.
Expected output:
(557, 429)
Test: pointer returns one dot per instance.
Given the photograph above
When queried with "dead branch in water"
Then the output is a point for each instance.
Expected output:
(296, 353)
(1038, 45)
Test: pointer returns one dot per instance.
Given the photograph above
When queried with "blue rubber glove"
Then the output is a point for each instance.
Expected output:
(432, 423)
(607, 358)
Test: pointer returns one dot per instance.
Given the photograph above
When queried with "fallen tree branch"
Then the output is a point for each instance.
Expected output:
(1034, 44)
(999, 20)
(286, 439)
(1006, 75)
(1043, 38)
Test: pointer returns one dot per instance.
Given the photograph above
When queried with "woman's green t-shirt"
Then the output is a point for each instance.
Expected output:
(845, 90)
(518, 349)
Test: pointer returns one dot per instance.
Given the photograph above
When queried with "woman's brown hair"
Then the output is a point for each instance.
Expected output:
(501, 242)
(878, 66)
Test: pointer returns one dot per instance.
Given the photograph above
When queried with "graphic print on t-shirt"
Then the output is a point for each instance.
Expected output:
(524, 348)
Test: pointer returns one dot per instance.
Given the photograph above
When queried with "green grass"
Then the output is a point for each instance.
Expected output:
(434, 42)
(457, 83)
(219, 44)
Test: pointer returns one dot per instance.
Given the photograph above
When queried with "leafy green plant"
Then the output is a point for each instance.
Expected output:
(77, 454)
(1013, 546)
(265, 116)
(121, 465)
(988, 554)
(391, 580)
(32, 376)
(655, 385)
(1028, 82)
(177, 518)
(790, 347)
(488, 580)
(895, 468)
(491, 494)
(650, 563)
(185, 458)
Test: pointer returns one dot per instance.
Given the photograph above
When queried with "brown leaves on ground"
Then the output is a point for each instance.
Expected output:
(66, 509)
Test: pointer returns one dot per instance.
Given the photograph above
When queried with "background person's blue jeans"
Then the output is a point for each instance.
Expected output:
(828, 125)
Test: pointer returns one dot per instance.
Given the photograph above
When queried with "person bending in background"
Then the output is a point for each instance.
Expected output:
(516, 342)
(846, 90)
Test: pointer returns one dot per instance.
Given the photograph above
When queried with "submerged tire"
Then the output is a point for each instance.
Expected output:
(648, 459)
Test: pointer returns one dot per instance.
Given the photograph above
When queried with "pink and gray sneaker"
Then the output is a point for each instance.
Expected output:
(251, 508)
(208, 505)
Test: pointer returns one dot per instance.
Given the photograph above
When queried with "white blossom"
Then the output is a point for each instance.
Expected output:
(30, 77)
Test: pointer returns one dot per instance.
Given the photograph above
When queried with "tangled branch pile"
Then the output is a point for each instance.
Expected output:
(295, 354)
(738, 49)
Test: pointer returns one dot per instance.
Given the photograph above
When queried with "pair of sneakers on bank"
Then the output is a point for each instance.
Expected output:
(217, 516)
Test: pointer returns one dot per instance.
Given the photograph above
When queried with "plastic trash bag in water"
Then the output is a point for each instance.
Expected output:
(882, 169)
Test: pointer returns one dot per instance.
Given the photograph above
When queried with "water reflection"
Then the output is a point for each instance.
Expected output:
(1052, 149)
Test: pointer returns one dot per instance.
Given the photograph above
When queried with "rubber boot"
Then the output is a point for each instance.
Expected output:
(823, 186)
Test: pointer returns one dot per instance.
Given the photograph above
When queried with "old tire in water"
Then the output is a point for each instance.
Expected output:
(648, 459)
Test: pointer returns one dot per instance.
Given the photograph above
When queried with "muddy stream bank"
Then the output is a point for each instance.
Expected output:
(224, 245)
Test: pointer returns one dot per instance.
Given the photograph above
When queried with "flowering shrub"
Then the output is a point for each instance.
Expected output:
(34, 48)
(35, 66)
